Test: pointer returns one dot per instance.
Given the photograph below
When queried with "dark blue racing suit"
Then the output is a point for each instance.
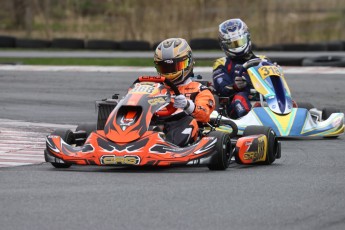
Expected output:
(224, 79)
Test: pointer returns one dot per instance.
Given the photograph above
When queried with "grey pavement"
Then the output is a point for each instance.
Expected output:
(305, 189)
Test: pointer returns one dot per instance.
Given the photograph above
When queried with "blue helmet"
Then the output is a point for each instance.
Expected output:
(234, 38)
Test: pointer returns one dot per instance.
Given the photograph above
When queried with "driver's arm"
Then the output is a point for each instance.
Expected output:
(204, 105)
(222, 80)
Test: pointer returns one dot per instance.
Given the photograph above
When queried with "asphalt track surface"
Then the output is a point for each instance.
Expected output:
(305, 189)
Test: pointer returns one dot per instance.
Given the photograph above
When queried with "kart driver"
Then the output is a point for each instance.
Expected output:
(174, 60)
(229, 77)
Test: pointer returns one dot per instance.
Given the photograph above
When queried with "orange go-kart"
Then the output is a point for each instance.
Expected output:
(126, 136)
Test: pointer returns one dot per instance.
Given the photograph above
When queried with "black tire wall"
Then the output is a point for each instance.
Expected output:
(7, 41)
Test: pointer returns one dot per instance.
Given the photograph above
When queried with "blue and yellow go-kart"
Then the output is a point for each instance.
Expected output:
(276, 109)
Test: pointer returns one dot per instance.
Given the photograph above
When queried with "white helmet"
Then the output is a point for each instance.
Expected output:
(234, 38)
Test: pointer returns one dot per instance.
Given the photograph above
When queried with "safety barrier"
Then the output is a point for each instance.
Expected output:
(195, 43)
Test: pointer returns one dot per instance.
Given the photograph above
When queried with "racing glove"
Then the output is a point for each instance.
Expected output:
(181, 102)
(240, 80)
(240, 83)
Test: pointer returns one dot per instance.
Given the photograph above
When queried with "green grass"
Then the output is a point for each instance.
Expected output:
(89, 61)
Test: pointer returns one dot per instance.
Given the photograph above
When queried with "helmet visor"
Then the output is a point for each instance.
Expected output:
(236, 43)
(172, 65)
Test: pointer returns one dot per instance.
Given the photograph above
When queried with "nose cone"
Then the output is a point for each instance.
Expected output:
(280, 106)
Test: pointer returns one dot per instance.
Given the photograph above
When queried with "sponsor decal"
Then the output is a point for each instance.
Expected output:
(120, 160)
(216, 72)
(219, 80)
(163, 149)
(148, 78)
(190, 88)
(258, 155)
(157, 100)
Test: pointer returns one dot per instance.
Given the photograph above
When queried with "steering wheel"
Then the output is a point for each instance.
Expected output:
(252, 62)
(169, 109)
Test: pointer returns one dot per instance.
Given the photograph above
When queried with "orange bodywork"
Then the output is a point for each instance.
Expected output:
(150, 149)
(252, 149)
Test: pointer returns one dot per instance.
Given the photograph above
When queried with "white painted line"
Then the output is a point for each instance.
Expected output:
(20, 155)
(17, 123)
(20, 158)
(16, 163)
(23, 143)
(11, 149)
(287, 69)
(4, 143)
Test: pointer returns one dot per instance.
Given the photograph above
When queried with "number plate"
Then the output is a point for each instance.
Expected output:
(266, 71)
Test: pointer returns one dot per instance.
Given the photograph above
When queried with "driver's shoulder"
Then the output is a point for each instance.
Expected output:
(220, 62)
(262, 57)
(194, 86)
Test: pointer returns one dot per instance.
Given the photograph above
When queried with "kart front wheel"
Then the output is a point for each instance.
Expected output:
(327, 112)
(83, 131)
(68, 137)
(305, 105)
(273, 148)
(87, 127)
(221, 159)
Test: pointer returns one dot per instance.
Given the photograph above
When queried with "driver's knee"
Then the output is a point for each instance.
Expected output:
(182, 132)
(240, 105)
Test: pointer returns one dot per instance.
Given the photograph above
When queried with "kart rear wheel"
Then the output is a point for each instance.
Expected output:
(327, 112)
(273, 150)
(305, 105)
(68, 136)
(221, 160)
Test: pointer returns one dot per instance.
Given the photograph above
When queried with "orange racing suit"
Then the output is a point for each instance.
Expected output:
(182, 128)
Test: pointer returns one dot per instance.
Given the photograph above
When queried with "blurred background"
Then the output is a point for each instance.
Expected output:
(270, 21)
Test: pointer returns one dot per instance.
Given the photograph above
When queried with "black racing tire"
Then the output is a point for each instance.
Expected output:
(221, 160)
(328, 111)
(68, 43)
(32, 43)
(288, 61)
(102, 45)
(334, 61)
(155, 45)
(273, 150)
(304, 47)
(87, 127)
(68, 136)
(318, 46)
(134, 45)
(269, 48)
(7, 41)
(335, 46)
(305, 105)
(204, 44)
